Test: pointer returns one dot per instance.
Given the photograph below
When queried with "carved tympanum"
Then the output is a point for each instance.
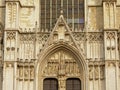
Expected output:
(61, 63)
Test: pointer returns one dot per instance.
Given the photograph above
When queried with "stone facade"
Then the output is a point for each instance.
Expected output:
(29, 54)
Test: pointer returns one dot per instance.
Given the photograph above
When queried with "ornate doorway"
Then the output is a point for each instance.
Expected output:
(59, 67)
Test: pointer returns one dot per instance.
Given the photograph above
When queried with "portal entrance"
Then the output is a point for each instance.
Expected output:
(61, 71)
(52, 84)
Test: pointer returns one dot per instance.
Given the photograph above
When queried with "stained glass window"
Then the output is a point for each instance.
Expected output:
(73, 11)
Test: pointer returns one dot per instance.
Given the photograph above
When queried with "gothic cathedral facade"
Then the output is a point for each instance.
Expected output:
(59, 44)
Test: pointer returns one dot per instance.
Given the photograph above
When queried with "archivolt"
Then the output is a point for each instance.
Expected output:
(61, 46)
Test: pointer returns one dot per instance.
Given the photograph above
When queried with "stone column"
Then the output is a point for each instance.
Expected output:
(8, 83)
(11, 44)
(111, 59)
(109, 14)
(62, 83)
(110, 45)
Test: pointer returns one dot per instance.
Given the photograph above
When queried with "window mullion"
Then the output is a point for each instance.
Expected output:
(45, 14)
(72, 14)
(78, 14)
(67, 9)
(50, 14)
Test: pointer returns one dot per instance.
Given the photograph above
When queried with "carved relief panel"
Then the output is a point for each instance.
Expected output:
(96, 71)
(109, 8)
(10, 45)
(62, 34)
(94, 43)
(111, 45)
(42, 38)
(80, 39)
(60, 64)
(12, 15)
(27, 18)
(27, 46)
(25, 72)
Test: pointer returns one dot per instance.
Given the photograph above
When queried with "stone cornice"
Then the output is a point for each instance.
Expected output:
(98, 63)
(2, 6)
(111, 29)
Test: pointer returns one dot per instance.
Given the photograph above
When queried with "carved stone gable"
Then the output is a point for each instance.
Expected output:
(61, 33)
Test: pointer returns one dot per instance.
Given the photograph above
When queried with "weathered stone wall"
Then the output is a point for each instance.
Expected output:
(2, 11)
(2, 15)
(95, 18)
(27, 17)
(2, 2)
(118, 17)
(24, 46)
(118, 2)
(94, 2)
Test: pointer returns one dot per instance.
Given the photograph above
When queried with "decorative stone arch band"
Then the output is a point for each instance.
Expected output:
(50, 50)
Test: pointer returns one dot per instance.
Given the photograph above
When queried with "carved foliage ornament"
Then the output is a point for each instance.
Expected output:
(111, 63)
(9, 64)
(12, 10)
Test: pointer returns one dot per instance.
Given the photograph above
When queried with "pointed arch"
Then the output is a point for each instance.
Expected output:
(82, 65)
(64, 46)
(78, 57)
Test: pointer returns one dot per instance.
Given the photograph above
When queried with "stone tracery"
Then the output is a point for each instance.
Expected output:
(23, 45)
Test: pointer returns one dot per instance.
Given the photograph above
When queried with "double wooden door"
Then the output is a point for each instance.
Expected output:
(71, 84)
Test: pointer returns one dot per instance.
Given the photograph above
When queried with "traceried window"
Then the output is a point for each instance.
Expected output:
(73, 11)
